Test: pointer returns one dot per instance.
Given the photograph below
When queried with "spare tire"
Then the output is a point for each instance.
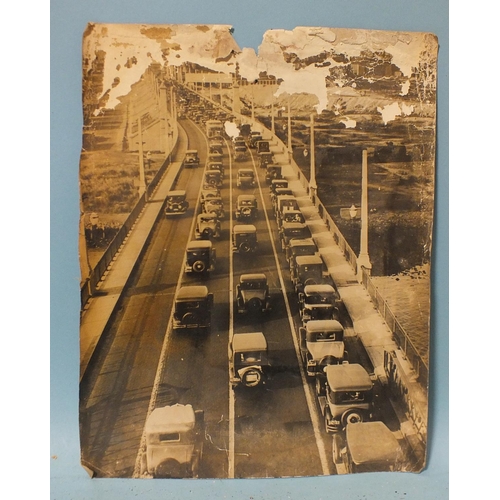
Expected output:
(351, 417)
(310, 281)
(199, 266)
(252, 377)
(245, 247)
(170, 468)
(254, 305)
(208, 232)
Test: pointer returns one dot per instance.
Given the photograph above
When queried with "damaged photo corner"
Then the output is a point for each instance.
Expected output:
(255, 247)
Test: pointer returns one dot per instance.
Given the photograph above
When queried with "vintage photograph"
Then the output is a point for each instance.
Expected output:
(255, 247)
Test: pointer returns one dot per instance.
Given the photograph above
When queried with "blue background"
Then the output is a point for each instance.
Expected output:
(250, 20)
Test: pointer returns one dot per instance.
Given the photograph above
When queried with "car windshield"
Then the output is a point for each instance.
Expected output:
(328, 336)
(198, 252)
(253, 285)
(317, 298)
(191, 156)
(246, 203)
(249, 357)
(246, 174)
(343, 397)
(206, 219)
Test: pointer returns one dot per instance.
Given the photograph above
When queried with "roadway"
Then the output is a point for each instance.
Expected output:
(270, 431)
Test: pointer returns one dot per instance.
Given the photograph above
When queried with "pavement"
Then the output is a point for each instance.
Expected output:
(100, 308)
(368, 323)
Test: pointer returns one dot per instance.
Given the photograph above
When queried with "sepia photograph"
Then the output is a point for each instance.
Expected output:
(255, 242)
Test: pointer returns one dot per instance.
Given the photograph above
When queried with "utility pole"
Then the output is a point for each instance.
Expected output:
(272, 112)
(142, 175)
(312, 181)
(364, 258)
(290, 151)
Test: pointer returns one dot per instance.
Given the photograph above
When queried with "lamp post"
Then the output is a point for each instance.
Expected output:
(364, 258)
(312, 181)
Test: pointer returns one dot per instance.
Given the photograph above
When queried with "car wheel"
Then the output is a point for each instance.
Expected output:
(326, 423)
(351, 417)
(199, 266)
(337, 446)
(320, 386)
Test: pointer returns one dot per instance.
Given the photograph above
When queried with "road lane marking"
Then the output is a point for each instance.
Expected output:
(166, 340)
(313, 412)
(231, 321)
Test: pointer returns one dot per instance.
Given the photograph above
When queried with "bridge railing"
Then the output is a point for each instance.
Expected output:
(400, 335)
(89, 287)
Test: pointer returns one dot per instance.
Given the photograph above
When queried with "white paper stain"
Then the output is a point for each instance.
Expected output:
(391, 111)
(289, 55)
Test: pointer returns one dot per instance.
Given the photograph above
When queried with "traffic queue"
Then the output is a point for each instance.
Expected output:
(344, 389)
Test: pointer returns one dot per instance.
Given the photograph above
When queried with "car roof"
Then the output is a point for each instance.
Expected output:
(205, 215)
(255, 341)
(191, 151)
(246, 197)
(348, 377)
(192, 292)
(199, 244)
(178, 192)
(322, 288)
(294, 225)
(176, 418)
(322, 325)
(245, 170)
(371, 442)
(308, 259)
(302, 241)
(244, 228)
(253, 277)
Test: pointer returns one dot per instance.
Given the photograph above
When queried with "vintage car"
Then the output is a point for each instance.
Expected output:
(366, 447)
(295, 216)
(207, 226)
(216, 166)
(174, 442)
(200, 257)
(245, 178)
(193, 309)
(252, 294)
(216, 146)
(262, 147)
(244, 238)
(273, 172)
(246, 208)
(278, 184)
(265, 158)
(309, 270)
(240, 153)
(215, 157)
(284, 202)
(214, 206)
(299, 246)
(248, 359)
(209, 193)
(292, 230)
(345, 395)
(212, 178)
(318, 302)
(253, 138)
(191, 159)
(176, 203)
(321, 344)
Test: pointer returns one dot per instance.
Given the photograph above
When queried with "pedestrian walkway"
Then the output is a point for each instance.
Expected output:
(368, 324)
(100, 307)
